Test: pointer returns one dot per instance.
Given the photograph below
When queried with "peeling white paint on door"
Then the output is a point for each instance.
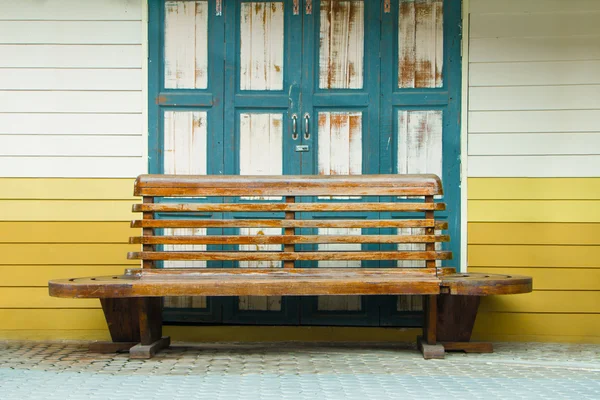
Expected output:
(340, 145)
(261, 146)
(346, 303)
(262, 38)
(420, 43)
(263, 303)
(185, 144)
(341, 44)
(186, 44)
(420, 142)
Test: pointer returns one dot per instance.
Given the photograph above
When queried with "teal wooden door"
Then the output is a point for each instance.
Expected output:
(305, 87)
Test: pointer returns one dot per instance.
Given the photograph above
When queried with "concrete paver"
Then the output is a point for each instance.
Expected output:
(34, 370)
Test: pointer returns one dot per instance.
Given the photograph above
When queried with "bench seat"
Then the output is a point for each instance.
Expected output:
(286, 282)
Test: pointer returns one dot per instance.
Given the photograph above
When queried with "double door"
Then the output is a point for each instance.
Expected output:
(297, 87)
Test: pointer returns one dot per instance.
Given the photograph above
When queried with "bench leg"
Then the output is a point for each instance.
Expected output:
(456, 318)
(428, 344)
(150, 328)
(123, 324)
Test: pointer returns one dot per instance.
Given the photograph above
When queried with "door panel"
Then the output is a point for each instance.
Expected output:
(262, 92)
(186, 88)
(341, 45)
(420, 119)
(337, 92)
(420, 43)
(186, 44)
(261, 45)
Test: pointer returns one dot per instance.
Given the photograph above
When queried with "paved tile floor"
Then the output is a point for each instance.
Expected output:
(34, 370)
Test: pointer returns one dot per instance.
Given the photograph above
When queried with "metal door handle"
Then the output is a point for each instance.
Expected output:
(307, 126)
(294, 127)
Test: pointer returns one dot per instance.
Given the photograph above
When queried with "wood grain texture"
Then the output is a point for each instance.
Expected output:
(186, 44)
(291, 239)
(296, 256)
(295, 185)
(262, 38)
(299, 207)
(341, 44)
(420, 44)
(279, 223)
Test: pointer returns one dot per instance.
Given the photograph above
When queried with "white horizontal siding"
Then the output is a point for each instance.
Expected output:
(71, 85)
(578, 97)
(71, 56)
(534, 88)
(70, 145)
(558, 24)
(69, 101)
(71, 79)
(534, 121)
(534, 73)
(70, 32)
(71, 10)
(533, 49)
(529, 6)
(71, 124)
(506, 144)
(533, 166)
(72, 167)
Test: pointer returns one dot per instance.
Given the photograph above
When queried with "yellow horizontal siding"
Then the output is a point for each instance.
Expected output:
(39, 275)
(533, 210)
(52, 319)
(66, 254)
(67, 210)
(547, 228)
(552, 278)
(533, 256)
(26, 297)
(557, 327)
(533, 188)
(66, 232)
(543, 301)
(533, 233)
(66, 189)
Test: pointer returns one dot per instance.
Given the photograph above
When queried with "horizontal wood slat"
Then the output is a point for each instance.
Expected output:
(279, 239)
(276, 223)
(298, 207)
(295, 256)
(288, 185)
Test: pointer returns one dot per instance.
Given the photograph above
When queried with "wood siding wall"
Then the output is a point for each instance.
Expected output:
(533, 163)
(71, 88)
(70, 110)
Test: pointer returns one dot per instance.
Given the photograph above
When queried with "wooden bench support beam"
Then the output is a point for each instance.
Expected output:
(456, 318)
(428, 342)
(150, 325)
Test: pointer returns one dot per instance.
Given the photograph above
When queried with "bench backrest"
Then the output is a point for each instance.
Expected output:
(289, 218)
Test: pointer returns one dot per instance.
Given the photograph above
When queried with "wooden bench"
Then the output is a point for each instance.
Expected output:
(232, 209)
